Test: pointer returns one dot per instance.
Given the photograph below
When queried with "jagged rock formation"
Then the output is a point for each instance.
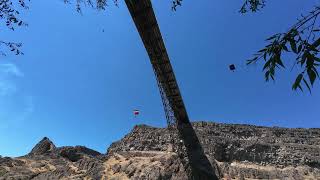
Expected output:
(241, 152)
(46, 161)
(43, 147)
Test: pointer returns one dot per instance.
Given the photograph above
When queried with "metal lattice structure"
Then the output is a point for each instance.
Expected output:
(184, 139)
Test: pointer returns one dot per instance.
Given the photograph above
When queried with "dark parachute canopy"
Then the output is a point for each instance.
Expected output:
(232, 67)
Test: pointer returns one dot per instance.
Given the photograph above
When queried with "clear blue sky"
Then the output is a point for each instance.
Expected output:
(78, 85)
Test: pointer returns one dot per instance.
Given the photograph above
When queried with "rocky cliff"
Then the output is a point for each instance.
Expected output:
(240, 151)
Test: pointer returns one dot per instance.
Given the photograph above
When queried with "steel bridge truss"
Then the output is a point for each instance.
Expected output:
(184, 140)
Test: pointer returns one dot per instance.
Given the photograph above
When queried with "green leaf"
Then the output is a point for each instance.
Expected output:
(315, 70)
(249, 62)
(299, 48)
(300, 87)
(310, 60)
(280, 63)
(267, 75)
(293, 45)
(272, 76)
(265, 56)
(272, 71)
(316, 59)
(262, 50)
(312, 76)
(284, 47)
(307, 84)
(296, 84)
(294, 32)
(272, 37)
(304, 58)
(267, 64)
(313, 48)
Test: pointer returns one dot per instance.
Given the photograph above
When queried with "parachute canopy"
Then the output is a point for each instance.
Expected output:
(136, 112)
(232, 67)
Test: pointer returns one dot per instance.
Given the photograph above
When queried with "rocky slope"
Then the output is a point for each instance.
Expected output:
(241, 152)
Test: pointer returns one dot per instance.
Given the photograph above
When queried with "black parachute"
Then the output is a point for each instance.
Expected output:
(232, 67)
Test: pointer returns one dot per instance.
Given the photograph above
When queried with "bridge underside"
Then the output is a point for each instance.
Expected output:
(190, 150)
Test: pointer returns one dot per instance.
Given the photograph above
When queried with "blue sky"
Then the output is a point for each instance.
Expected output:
(78, 85)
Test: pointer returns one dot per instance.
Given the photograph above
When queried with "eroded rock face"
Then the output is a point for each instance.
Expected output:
(240, 151)
(144, 165)
(143, 138)
(46, 161)
(43, 147)
(76, 153)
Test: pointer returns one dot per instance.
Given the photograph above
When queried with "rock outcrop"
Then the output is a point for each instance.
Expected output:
(43, 147)
(241, 152)
(46, 161)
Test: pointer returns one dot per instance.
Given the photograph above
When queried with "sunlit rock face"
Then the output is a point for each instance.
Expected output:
(46, 161)
(240, 151)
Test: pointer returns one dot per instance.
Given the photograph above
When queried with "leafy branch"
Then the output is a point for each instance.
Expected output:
(302, 40)
(14, 47)
(102, 4)
(97, 4)
(9, 15)
(252, 5)
(175, 4)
